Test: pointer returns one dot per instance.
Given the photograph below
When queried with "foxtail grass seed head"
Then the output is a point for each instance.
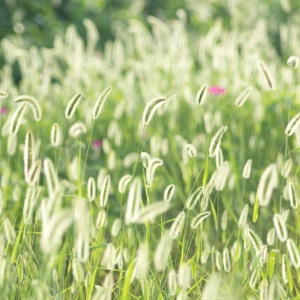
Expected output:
(287, 168)
(271, 237)
(100, 102)
(124, 183)
(109, 257)
(116, 227)
(77, 129)
(177, 225)
(33, 104)
(293, 195)
(1, 202)
(153, 164)
(224, 220)
(201, 95)
(101, 219)
(267, 183)
(77, 270)
(29, 153)
(3, 94)
(265, 72)
(255, 241)
(280, 228)
(105, 191)
(194, 198)
(91, 189)
(9, 231)
(51, 176)
(199, 219)
(169, 192)
(162, 251)
(264, 289)
(142, 262)
(151, 108)
(172, 282)
(34, 173)
(226, 260)
(53, 229)
(151, 211)
(218, 258)
(216, 141)
(55, 135)
(293, 253)
(145, 158)
(293, 62)
(11, 144)
(212, 286)
(255, 276)
(244, 216)
(292, 125)
(133, 201)
(72, 105)
(219, 158)
(242, 98)
(184, 276)
(284, 269)
(17, 118)
(29, 203)
(247, 169)
(263, 255)
(191, 150)
(222, 176)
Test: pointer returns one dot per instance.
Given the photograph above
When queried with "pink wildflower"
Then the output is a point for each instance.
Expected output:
(217, 90)
(3, 110)
(97, 144)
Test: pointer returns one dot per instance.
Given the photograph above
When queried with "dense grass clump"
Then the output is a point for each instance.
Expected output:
(120, 196)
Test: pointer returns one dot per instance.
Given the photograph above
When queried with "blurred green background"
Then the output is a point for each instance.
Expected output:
(39, 21)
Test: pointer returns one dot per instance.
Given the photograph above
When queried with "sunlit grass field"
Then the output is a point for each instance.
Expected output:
(164, 167)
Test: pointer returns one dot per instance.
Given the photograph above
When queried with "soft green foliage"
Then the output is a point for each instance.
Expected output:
(141, 239)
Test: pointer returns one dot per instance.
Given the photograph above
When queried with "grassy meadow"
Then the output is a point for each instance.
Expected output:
(164, 167)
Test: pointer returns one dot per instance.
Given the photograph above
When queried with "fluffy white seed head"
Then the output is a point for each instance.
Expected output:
(100, 102)
(247, 169)
(151, 211)
(33, 104)
(226, 260)
(105, 191)
(162, 251)
(55, 136)
(152, 166)
(293, 195)
(17, 118)
(172, 282)
(151, 108)
(280, 228)
(194, 198)
(292, 125)
(242, 98)
(199, 219)
(191, 150)
(293, 253)
(169, 192)
(244, 216)
(72, 105)
(216, 141)
(123, 183)
(91, 189)
(293, 62)
(177, 225)
(133, 201)
(201, 95)
(266, 74)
